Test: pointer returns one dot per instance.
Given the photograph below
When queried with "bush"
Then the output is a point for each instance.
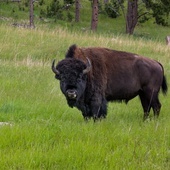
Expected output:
(112, 8)
(69, 2)
(54, 10)
(69, 17)
(159, 13)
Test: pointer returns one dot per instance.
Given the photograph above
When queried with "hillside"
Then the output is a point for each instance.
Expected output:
(14, 12)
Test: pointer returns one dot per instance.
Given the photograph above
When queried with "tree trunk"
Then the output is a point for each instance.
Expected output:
(132, 16)
(32, 14)
(94, 20)
(77, 13)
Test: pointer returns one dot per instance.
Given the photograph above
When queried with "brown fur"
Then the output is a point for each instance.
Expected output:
(118, 75)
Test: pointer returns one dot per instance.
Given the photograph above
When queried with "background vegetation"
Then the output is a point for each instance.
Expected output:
(53, 13)
(44, 133)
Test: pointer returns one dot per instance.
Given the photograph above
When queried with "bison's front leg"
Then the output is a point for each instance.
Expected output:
(95, 112)
(86, 113)
(84, 109)
(99, 108)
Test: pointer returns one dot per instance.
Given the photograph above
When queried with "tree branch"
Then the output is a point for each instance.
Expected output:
(143, 14)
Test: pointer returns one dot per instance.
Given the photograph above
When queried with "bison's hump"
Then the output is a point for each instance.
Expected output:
(71, 51)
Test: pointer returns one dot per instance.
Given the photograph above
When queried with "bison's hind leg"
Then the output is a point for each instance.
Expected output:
(146, 107)
(145, 95)
(149, 98)
(155, 104)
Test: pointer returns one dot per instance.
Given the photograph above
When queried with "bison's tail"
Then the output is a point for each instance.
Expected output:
(164, 85)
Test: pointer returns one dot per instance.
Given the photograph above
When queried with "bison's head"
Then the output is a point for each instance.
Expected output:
(72, 74)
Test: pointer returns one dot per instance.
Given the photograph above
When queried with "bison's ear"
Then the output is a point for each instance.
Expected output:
(88, 66)
(54, 68)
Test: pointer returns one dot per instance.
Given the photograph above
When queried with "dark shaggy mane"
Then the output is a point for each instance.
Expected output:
(71, 50)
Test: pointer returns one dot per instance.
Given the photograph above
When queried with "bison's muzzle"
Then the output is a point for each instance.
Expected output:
(71, 94)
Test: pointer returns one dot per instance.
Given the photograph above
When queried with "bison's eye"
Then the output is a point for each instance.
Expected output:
(79, 80)
(62, 80)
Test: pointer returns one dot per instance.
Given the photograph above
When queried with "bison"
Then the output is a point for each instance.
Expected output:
(91, 77)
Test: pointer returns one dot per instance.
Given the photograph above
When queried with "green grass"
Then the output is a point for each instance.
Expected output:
(46, 134)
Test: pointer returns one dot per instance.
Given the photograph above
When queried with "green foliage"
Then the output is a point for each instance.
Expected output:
(113, 8)
(59, 11)
(160, 10)
(42, 13)
(21, 8)
(69, 16)
(26, 3)
(71, 2)
(41, 2)
(54, 10)
(144, 12)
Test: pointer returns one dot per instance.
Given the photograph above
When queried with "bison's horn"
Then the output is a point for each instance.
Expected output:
(88, 68)
(54, 69)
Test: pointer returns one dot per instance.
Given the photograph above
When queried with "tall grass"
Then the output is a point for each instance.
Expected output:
(44, 133)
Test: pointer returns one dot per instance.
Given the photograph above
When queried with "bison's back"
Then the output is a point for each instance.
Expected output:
(117, 74)
(124, 74)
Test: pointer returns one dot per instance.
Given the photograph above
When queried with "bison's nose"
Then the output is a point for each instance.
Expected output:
(71, 94)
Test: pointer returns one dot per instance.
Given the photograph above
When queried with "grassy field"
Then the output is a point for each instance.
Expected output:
(44, 133)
